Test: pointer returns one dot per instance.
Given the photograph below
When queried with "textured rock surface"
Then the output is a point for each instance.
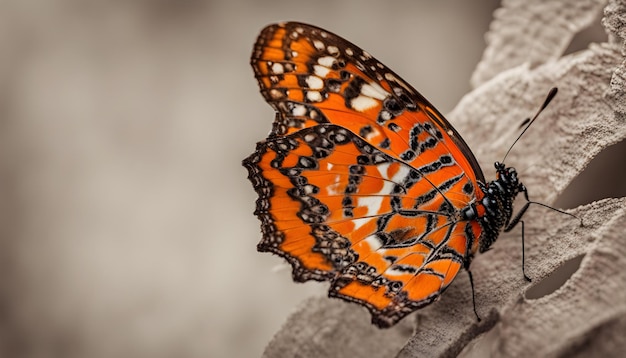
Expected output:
(585, 316)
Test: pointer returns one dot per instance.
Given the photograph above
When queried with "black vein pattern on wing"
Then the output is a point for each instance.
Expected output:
(299, 181)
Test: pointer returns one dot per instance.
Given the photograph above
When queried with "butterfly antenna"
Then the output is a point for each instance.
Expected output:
(529, 122)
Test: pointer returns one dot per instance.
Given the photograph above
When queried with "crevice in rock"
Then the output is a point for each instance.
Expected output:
(604, 177)
(593, 34)
(555, 280)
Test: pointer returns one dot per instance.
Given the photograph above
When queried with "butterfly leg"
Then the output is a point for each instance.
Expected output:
(523, 255)
(520, 213)
(518, 219)
(473, 296)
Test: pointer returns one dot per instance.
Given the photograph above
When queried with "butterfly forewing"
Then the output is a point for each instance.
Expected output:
(361, 180)
(312, 76)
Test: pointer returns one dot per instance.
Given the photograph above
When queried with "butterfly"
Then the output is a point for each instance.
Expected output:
(361, 181)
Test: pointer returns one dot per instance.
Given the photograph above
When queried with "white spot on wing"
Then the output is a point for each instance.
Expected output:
(298, 110)
(318, 44)
(382, 169)
(321, 70)
(326, 61)
(363, 103)
(374, 90)
(276, 94)
(333, 50)
(314, 82)
(400, 175)
(360, 222)
(372, 203)
(314, 96)
(391, 77)
(277, 68)
(374, 242)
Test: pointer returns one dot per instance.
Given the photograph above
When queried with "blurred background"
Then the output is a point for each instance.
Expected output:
(126, 217)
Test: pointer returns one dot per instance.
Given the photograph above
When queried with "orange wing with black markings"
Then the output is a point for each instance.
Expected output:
(361, 181)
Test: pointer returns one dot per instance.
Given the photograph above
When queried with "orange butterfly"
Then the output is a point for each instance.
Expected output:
(362, 181)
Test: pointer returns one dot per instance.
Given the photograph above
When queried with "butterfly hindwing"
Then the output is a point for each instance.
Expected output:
(339, 209)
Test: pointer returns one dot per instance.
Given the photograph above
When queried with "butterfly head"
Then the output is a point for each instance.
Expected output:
(507, 181)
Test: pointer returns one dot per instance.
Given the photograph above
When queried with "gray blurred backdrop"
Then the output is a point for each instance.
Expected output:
(126, 223)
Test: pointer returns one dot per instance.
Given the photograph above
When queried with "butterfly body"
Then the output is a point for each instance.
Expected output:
(497, 204)
(361, 181)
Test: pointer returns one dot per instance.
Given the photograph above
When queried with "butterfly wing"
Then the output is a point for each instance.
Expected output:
(361, 179)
